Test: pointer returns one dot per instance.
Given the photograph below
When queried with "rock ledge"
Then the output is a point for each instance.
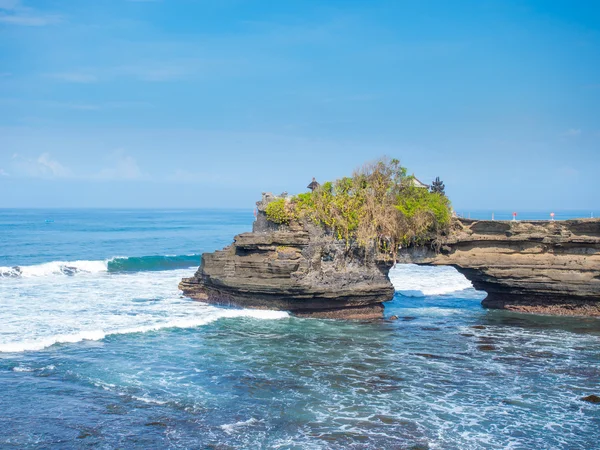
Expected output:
(547, 267)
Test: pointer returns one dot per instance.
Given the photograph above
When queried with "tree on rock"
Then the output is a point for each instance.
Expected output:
(437, 187)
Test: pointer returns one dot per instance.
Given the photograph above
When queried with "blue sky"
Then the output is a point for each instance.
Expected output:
(192, 103)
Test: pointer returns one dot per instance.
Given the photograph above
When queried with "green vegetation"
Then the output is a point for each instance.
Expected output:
(378, 204)
(278, 211)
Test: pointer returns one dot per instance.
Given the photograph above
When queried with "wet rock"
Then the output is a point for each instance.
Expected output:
(540, 354)
(478, 327)
(430, 356)
(591, 399)
(486, 348)
(156, 424)
(393, 317)
(115, 409)
(87, 432)
(388, 420)
(467, 334)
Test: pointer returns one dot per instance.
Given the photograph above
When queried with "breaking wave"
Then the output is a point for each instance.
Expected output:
(97, 335)
(117, 264)
(149, 263)
(411, 280)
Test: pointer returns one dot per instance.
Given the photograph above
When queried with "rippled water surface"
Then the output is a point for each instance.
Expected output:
(113, 358)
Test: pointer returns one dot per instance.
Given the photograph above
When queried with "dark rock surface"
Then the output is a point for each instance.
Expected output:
(486, 347)
(591, 399)
(529, 266)
(301, 270)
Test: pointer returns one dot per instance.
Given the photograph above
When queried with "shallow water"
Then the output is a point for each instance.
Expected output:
(116, 358)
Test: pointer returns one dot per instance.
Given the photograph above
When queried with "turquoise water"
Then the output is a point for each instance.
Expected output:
(98, 349)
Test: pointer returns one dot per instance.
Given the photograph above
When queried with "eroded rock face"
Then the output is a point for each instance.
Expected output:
(528, 266)
(301, 270)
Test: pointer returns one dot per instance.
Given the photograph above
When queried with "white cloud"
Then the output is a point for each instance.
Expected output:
(81, 106)
(10, 4)
(166, 73)
(37, 104)
(161, 71)
(124, 168)
(98, 106)
(75, 77)
(4, 173)
(29, 20)
(41, 167)
(572, 132)
(13, 12)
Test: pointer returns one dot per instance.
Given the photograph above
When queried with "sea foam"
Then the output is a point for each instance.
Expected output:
(115, 264)
(42, 312)
(231, 428)
(97, 335)
(212, 314)
(420, 281)
(54, 268)
(42, 307)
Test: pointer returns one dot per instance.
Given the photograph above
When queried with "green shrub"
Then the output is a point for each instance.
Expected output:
(378, 205)
(416, 200)
(277, 211)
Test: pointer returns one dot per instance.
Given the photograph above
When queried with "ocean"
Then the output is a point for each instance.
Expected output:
(98, 349)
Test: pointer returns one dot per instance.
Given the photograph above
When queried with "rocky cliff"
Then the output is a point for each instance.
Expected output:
(529, 266)
(298, 269)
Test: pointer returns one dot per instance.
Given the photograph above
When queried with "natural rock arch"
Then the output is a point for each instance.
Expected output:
(530, 266)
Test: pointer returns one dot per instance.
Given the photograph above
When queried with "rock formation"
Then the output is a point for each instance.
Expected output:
(549, 267)
(298, 269)
(529, 266)
(591, 399)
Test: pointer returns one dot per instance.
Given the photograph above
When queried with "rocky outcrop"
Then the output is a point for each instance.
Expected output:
(550, 267)
(298, 269)
(591, 399)
(528, 266)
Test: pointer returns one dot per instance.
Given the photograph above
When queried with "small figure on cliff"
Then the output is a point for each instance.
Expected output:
(313, 184)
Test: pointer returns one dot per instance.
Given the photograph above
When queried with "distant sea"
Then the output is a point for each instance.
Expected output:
(99, 349)
(528, 215)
